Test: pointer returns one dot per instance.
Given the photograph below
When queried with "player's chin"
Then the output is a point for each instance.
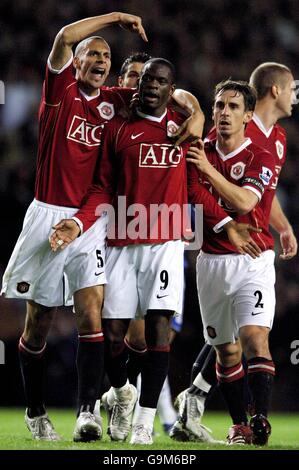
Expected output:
(97, 83)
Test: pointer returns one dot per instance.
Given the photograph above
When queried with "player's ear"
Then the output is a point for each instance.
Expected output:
(172, 89)
(120, 81)
(213, 113)
(247, 117)
(76, 62)
(275, 91)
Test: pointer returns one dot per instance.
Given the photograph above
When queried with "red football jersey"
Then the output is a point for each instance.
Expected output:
(274, 140)
(70, 127)
(250, 167)
(140, 162)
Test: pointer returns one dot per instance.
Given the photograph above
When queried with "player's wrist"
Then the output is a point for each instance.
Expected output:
(79, 225)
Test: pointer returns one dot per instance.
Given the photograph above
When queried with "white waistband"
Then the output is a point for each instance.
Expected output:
(202, 254)
(53, 207)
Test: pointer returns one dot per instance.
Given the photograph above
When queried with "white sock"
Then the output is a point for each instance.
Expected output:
(201, 383)
(137, 406)
(146, 416)
(166, 411)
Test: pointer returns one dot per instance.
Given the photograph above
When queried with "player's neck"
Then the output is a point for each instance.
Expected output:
(228, 144)
(266, 113)
(88, 90)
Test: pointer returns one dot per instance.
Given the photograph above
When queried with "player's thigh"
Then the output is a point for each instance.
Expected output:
(85, 263)
(215, 299)
(254, 302)
(120, 292)
(34, 272)
(161, 277)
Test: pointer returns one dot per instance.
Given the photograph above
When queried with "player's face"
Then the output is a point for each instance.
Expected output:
(155, 88)
(131, 77)
(93, 66)
(285, 97)
(229, 113)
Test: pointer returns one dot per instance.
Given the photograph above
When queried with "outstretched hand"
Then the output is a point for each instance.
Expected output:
(239, 236)
(66, 231)
(132, 23)
(289, 245)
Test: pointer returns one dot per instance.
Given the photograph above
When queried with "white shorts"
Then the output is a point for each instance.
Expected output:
(144, 277)
(34, 272)
(234, 291)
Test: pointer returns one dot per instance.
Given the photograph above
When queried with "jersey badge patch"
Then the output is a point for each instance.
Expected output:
(23, 287)
(106, 110)
(279, 149)
(172, 127)
(266, 175)
(237, 170)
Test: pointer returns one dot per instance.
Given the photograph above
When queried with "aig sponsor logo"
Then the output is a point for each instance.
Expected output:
(85, 133)
(159, 155)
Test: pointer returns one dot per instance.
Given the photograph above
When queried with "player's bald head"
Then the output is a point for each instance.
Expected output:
(83, 45)
(268, 74)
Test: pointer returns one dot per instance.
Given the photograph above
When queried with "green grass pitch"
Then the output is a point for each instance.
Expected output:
(14, 435)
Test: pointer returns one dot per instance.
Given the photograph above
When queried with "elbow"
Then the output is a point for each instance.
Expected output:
(244, 208)
(64, 37)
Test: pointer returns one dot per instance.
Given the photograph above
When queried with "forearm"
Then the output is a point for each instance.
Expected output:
(241, 199)
(190, 104)
(278, 220)
(76, 32)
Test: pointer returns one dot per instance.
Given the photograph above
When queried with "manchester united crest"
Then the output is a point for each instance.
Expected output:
(172, 127)
(106, 110)
(279, 149)
(237, 170)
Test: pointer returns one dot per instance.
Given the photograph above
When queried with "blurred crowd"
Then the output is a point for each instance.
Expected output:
(207, 42)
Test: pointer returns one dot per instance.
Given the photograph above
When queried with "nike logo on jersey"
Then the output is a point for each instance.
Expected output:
(133, 136)
(161, 296)
(98, 274)
(257, 313)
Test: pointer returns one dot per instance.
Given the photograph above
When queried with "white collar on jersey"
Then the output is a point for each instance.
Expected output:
(152, 118)
(234, 152)
(89, 98)
(261, 126)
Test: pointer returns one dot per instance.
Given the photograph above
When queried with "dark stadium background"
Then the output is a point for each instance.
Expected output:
(207, 40)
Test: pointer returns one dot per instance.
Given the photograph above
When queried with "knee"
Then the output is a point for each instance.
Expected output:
(37, 324)
(255, 342)
(229, 355)
(135, 335)
(114, 332)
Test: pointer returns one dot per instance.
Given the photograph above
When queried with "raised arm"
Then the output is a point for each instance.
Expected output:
(191, 130)
(281, 225)
(75, 32)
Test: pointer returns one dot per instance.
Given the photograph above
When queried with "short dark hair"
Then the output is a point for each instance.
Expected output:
(266, 75)
(167, 63)
(239, 86)
(141, 57)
